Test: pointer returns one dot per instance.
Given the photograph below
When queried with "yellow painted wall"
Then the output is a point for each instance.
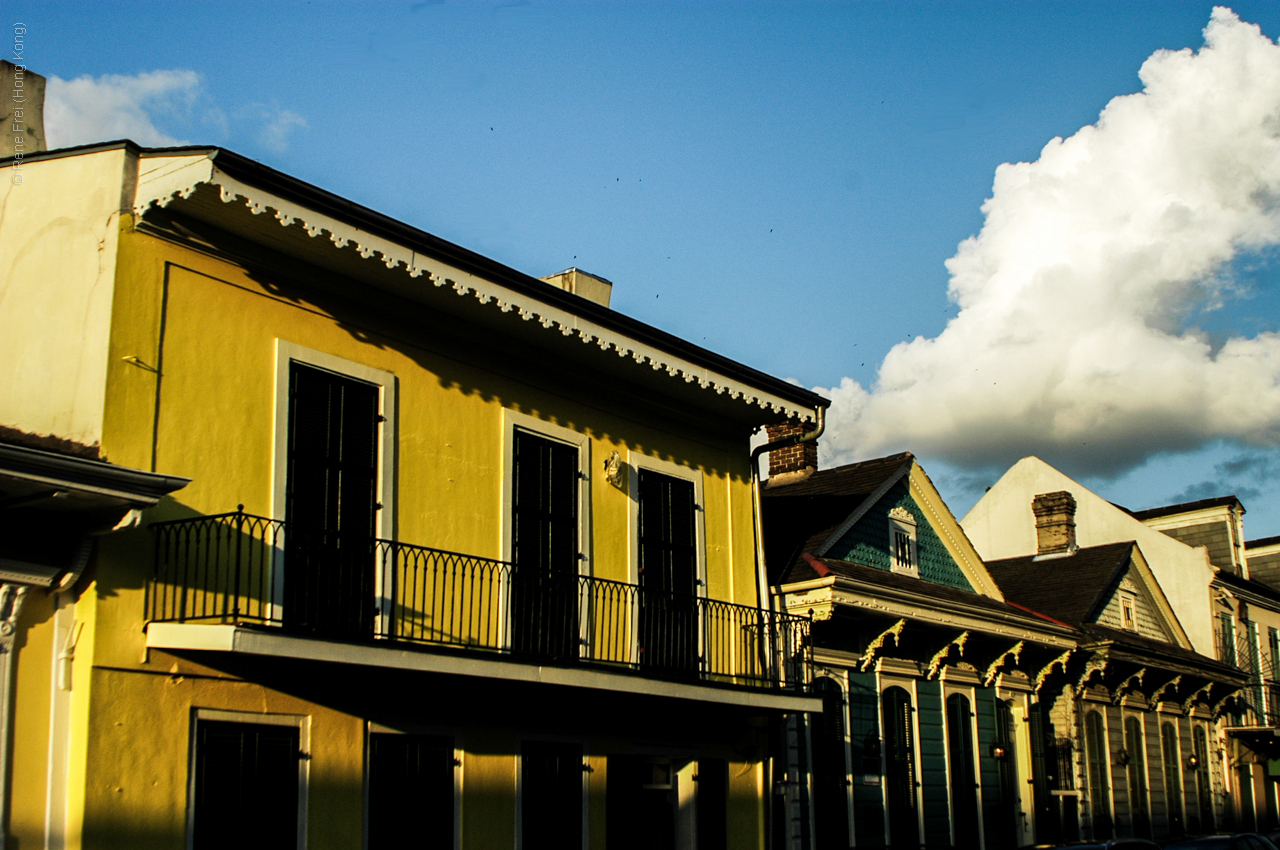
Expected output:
(215, 416)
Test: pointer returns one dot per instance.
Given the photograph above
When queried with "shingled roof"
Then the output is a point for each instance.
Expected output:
(1066, 587)
(799, 516)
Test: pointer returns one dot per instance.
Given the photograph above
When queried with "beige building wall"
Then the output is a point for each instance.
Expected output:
(56, 284)
(1001, 525)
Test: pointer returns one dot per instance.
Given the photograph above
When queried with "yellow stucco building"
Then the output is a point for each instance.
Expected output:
(466, 558)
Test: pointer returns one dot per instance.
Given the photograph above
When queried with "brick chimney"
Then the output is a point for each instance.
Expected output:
(1055, 522)
(793, 463)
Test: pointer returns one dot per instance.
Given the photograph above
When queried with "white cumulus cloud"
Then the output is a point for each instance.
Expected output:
(1075, 335)
(116, 106)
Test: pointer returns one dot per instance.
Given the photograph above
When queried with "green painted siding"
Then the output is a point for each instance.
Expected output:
(933, 764)
(864, 738)
(868, 541)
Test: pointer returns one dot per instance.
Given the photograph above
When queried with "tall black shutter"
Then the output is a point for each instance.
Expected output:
(550, 796)
(964, 794)
(900, 768)
(246, 786)
(668, 557)
(545, 546)
(410, 792)
(330, 501)
(668, 574)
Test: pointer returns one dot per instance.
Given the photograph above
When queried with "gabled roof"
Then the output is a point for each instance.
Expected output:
(1067, 587)
(807, 517)
(855, 480)
(1076, 587)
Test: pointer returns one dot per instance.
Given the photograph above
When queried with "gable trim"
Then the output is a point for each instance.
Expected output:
(953, 536)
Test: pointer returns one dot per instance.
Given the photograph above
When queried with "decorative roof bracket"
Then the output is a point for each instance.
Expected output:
(940, 657)
(1129, 681)
(1047, 670)
(994, 670)
(876, 645)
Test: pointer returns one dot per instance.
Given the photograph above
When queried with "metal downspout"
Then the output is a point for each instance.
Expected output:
(762, 579)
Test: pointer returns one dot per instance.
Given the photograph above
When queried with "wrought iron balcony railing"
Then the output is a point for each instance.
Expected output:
(241, 569)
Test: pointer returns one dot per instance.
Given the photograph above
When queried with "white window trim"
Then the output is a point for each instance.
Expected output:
(586, 785)
(385, 519)
(969, 692)
(372, 728)
(898, 522)
(301, 722)
(637, 462)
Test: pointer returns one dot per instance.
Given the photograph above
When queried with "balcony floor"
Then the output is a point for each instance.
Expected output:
(263, 642)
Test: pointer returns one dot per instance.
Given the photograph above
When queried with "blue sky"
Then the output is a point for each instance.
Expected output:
(780, 182)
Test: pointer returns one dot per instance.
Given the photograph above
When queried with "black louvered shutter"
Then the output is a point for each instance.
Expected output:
(545, 546)
(246, 791)
(668, 574)
(668, 559)
(550, 795)
(330, 505)
(900, 769)
(410, 792)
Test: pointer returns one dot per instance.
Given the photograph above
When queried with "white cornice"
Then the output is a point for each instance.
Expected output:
(162, 180)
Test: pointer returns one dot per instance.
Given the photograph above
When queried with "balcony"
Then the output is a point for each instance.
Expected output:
(258, 576)
(1259, 701)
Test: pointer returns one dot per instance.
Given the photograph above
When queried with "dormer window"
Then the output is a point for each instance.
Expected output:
(902, 542)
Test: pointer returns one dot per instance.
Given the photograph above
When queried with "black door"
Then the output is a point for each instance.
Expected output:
(550, 796)
(668, 574)
(544, 606)
(330, 503)
(246, 786)
(964, 780)
(410, 792)
(900, 769)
